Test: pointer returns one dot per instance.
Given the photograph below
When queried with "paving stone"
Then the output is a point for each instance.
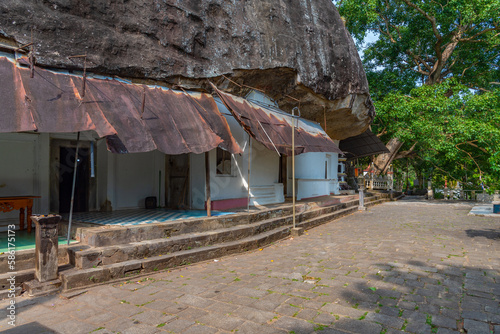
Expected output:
(265, 305)
(337, 309)
(124, 309)
(357, 326)
(493, 318)
(200, 329)
(414, 298)
(441, 321)
(178, 325)
(489, 309)
(429, 308)
(293, 324)
(287, 309)
(32, 327)
(249, 327)
(390, 311)
(118, 325)
(195, 301)
(221, 321)
(253, 314)
(151, 317)
(141, 329)
(447, 331)
(418, 328)
(168, 294)
(325, 319)
(450, 313)
(407, 305)
(473, 326)
(166, 306)
(330, 331)
(475, 315)
(73, 327)
(471, 306)
(192, 313)
(385, 320)
(482, 301)
(102, 318)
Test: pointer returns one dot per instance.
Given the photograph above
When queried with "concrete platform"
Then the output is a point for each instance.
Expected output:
(483, 211)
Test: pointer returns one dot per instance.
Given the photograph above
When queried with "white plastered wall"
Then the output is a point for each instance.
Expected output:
(132, 177)
(264, 166)
(310, 177)
(24, 170)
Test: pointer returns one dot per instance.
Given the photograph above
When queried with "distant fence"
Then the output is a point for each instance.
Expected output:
(386, 182)
(383, 182)
(463, 194)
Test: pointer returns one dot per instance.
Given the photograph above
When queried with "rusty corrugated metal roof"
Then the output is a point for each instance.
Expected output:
(170, 121)
(362, 145)
(274, 130)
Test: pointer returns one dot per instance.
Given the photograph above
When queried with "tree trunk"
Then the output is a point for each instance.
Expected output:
(383, 161)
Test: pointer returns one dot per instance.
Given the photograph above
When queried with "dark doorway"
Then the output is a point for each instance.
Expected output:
(67, 160)
(177, 181)
(283, 175)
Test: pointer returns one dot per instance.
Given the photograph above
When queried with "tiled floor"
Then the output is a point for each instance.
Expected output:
(23, 240)
(138, 216)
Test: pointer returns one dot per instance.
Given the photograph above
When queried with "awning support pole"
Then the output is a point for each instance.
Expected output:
(269, 138)
(207, 182)
(248, 175)
(293, 165)
(75, 168)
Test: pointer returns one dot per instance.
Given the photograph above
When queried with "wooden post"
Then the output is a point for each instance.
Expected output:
(207, 182)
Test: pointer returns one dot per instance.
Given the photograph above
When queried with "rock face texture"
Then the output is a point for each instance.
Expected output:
(293, 50)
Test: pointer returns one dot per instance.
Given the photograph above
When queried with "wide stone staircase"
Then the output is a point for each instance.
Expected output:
(110, 253)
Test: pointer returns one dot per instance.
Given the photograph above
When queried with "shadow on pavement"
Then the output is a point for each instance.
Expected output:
(488, 233)
(417, 297)
(32, 327)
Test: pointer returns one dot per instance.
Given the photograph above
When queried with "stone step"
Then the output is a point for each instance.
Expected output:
(116, 235)
(89, 257)
(20, 277)
(25, 259)
(78, 278)
(84, 257)
(7, 293)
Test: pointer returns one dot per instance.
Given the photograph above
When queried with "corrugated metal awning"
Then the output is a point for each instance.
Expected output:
(274, 129)
(171, 121)
(362, 145)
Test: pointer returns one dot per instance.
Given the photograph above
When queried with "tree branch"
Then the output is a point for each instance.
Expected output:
(437, 167)
(383, 132)
(404, 154)
(431, 19)
(479, 168)
(472, 38)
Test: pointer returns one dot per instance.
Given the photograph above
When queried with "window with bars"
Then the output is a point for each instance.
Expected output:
(223, 162)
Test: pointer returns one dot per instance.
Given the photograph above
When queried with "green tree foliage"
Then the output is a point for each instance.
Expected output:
(457, 136)
(434, 75)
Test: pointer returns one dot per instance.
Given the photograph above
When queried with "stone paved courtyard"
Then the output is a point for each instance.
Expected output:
(405, 266)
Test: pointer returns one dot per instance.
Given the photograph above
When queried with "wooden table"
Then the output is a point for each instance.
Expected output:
(8, 204)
